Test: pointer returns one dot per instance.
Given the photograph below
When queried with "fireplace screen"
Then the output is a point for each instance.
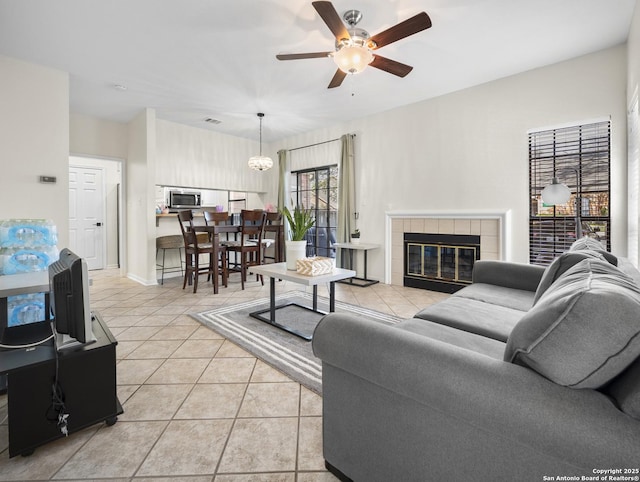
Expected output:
(440, 262)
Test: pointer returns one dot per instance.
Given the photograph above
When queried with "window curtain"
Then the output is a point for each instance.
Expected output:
(282, 176)
(346, 192)
(283, 187)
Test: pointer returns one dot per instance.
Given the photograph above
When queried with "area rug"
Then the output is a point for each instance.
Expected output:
(286, 352)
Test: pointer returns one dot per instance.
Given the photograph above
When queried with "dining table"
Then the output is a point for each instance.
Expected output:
(215, 230)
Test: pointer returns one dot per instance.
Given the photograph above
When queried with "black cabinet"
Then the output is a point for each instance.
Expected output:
(87, 385)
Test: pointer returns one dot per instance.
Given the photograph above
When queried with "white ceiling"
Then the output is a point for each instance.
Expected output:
(193, 59)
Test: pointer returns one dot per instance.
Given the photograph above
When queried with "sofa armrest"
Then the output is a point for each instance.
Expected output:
(510, 275)
(506, 400)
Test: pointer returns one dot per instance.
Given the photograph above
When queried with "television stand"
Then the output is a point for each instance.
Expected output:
(87, 377)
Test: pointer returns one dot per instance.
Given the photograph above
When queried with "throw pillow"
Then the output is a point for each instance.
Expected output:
(591, 244)
(558, 267)
(584, 331)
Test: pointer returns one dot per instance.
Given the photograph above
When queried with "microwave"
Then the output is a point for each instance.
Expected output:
(185, 199)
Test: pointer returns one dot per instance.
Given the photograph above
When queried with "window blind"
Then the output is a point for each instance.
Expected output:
(580, 157)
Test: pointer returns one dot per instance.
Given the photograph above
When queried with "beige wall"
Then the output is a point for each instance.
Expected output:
(34, 141)
(633, 54)
(192, 157)
(140, 200)
(90, 136)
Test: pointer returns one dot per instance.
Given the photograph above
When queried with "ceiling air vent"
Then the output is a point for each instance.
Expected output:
(210, 120)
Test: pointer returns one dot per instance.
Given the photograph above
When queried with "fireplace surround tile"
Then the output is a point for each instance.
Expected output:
(462, 226)
(445, 226)
(416, 225)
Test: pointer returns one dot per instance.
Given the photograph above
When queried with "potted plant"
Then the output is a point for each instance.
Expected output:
(299, 222)
(355, 237)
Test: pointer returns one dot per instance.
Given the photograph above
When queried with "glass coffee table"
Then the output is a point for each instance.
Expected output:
(280, 271)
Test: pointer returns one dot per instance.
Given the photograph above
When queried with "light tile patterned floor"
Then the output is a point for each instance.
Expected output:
(197, 407)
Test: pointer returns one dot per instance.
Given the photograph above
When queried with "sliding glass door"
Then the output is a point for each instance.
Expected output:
(317, 190)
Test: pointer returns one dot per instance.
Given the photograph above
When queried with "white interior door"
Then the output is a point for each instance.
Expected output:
(86, 215)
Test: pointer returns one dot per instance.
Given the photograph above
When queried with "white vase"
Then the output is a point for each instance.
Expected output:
(355, 240)
(295, 250)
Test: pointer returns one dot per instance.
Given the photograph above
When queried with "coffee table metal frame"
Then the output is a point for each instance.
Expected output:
(279, 271)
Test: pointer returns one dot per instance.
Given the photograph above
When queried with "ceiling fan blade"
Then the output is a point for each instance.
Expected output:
(337, 79)
(410, 26)
(328, 13)
(312, 55)
(391, 66)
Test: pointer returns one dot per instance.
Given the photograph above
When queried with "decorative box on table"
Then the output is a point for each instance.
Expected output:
(315, 266)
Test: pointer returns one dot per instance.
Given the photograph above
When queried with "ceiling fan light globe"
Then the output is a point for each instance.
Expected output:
(353, 59)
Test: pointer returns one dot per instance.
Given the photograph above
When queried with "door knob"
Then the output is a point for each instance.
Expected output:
(98, 224)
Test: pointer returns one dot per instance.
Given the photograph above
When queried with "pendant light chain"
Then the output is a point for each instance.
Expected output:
(260, 163)
(261, 115)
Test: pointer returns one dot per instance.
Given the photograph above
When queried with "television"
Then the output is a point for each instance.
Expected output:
(69, 298)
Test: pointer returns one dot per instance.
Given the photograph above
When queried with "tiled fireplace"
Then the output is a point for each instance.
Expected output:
(490, 227)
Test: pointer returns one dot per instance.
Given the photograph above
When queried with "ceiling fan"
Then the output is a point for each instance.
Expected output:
(354, 47)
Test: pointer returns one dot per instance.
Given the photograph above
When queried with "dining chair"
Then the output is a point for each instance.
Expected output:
(217, 218)
(273, 224)
(196, 244)
(249, 246)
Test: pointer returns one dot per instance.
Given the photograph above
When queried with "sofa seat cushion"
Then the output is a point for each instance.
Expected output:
(452, 336)
(515, 299)
(473, 316)
(584, 330)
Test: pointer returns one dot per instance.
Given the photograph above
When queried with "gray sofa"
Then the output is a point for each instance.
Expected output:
(526, 373)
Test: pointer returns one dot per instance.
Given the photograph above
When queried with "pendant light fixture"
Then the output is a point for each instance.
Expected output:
(260, 163)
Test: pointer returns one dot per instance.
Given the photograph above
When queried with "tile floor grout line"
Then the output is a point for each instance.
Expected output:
(235, 419)
(297, 462)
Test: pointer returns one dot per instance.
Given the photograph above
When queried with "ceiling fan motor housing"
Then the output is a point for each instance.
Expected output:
(359, 37)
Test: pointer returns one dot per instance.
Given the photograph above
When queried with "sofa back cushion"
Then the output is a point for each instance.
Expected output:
(591, 244)
(558, 267)
(584, 331)
(628, 268)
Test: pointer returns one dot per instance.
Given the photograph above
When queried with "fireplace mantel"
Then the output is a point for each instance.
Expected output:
(457, 219)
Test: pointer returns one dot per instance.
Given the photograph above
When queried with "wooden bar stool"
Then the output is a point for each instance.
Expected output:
(164, 243)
